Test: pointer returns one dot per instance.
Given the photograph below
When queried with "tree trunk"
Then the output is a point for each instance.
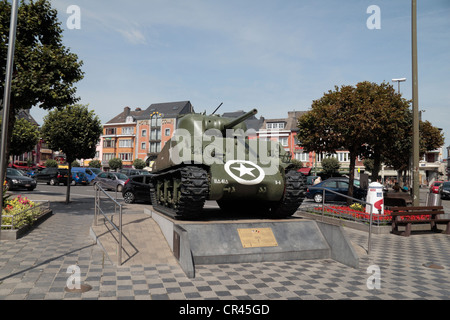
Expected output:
(69, 176)
(376, 167)
(351, 175)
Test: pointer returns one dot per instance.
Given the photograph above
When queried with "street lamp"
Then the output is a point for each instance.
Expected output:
(398, 81)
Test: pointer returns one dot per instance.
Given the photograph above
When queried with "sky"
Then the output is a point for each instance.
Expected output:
(272, 55)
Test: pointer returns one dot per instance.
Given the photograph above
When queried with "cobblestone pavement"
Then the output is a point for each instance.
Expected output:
(35, 267)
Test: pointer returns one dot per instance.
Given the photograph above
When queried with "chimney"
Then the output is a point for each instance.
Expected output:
(126, 111)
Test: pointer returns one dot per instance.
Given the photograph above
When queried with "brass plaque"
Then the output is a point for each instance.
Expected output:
(257, 238)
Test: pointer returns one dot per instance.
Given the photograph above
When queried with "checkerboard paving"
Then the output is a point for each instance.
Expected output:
(35, 267)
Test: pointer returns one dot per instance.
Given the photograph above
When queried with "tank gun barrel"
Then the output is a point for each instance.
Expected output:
(240, 119)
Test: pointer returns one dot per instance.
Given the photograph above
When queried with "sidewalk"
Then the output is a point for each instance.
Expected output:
(35, 267)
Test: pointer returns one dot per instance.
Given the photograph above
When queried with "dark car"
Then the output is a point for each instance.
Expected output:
(52, 176)
(111, 180)
(339, 185)
(137, 188)
(133, 172)
(444, 190)
(15, 179)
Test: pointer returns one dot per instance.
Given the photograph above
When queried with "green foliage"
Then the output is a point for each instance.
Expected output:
(296, 164)
(95, 164)
(23, 210)
(139, 164)
(74, 130)
(45, 70)
(330, 166)
(115, 163)
(50, 163)
(76, 164)
(25, 136)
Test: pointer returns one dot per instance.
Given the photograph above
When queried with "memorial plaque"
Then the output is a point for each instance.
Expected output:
(257, 238)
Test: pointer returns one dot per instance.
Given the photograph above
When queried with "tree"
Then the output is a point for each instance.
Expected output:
(335, 121)
(24, 137)
(95, 164)
(139, 164)
(115, 164)
(330, 166)
(75, 131)
(44, 70)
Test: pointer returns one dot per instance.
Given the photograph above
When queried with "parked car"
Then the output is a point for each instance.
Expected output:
(137, 188)
(133, 172)
(52, 176)
(434, 188)
(310, 180)
(90, 173)
(339, 185)
(111, 180)
(79, 178)
(444, 190)
(15, 179)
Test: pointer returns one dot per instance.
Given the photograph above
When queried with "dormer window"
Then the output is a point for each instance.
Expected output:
(129, 119)
(275, 125)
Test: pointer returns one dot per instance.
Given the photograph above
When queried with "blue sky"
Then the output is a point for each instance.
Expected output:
(273, 55)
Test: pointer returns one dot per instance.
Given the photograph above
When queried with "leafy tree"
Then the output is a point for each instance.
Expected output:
(330, 166)
(95, 164)
(50, 163)
(75, 131)
(139, 164)
(44, 70)
(24, 137)
(76, 164)
(115, 163)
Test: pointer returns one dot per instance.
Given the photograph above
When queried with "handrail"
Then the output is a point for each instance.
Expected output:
(369, 245)
(98, 210)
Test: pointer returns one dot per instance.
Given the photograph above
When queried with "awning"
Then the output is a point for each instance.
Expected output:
(305, 171)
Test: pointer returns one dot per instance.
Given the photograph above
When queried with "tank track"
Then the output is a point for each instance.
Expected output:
(294, 195)
(193, 192)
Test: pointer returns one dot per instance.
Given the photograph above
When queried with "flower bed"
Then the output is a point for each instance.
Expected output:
(357, 214)
(19, 212)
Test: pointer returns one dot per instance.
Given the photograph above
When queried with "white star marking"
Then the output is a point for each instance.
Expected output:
(243, 170)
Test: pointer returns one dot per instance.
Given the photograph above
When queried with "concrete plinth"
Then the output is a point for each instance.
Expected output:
(214, 242)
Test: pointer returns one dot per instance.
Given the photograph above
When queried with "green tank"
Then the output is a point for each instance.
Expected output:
(216, 158)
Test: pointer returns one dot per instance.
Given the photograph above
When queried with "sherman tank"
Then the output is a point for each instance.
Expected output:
(216, 158)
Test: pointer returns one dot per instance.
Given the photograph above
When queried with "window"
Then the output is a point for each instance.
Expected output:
(155, 134)
(143, 133)
(302, 156)
(110, 131)
(108, 156)
(155, 121)
(284, 142)
(155, 147)
(275, 125)
(143, 145)
(167, 132)
(126, 156)
(109, 143)
(128, 130)
(125, 143)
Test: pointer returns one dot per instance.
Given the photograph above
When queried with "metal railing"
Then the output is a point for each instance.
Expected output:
(369, 245)
(98, 210)
(44, 204)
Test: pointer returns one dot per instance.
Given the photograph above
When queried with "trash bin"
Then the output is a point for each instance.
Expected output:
(375, 197)
(434, 199)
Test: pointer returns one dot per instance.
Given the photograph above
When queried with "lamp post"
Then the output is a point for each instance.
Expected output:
(415, 94)
(398, 81)
(7, 94)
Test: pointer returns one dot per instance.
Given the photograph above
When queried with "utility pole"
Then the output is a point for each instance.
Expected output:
(415, 92)
(7, 94)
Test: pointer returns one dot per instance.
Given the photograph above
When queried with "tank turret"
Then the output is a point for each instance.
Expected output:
(216, 158)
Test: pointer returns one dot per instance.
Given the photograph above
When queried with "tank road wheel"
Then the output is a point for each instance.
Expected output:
(181, 192)
(295, 189)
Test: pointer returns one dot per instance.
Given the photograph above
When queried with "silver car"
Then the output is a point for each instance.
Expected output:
(111, 180)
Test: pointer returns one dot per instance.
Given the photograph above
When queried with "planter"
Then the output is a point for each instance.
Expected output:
(18, 233)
